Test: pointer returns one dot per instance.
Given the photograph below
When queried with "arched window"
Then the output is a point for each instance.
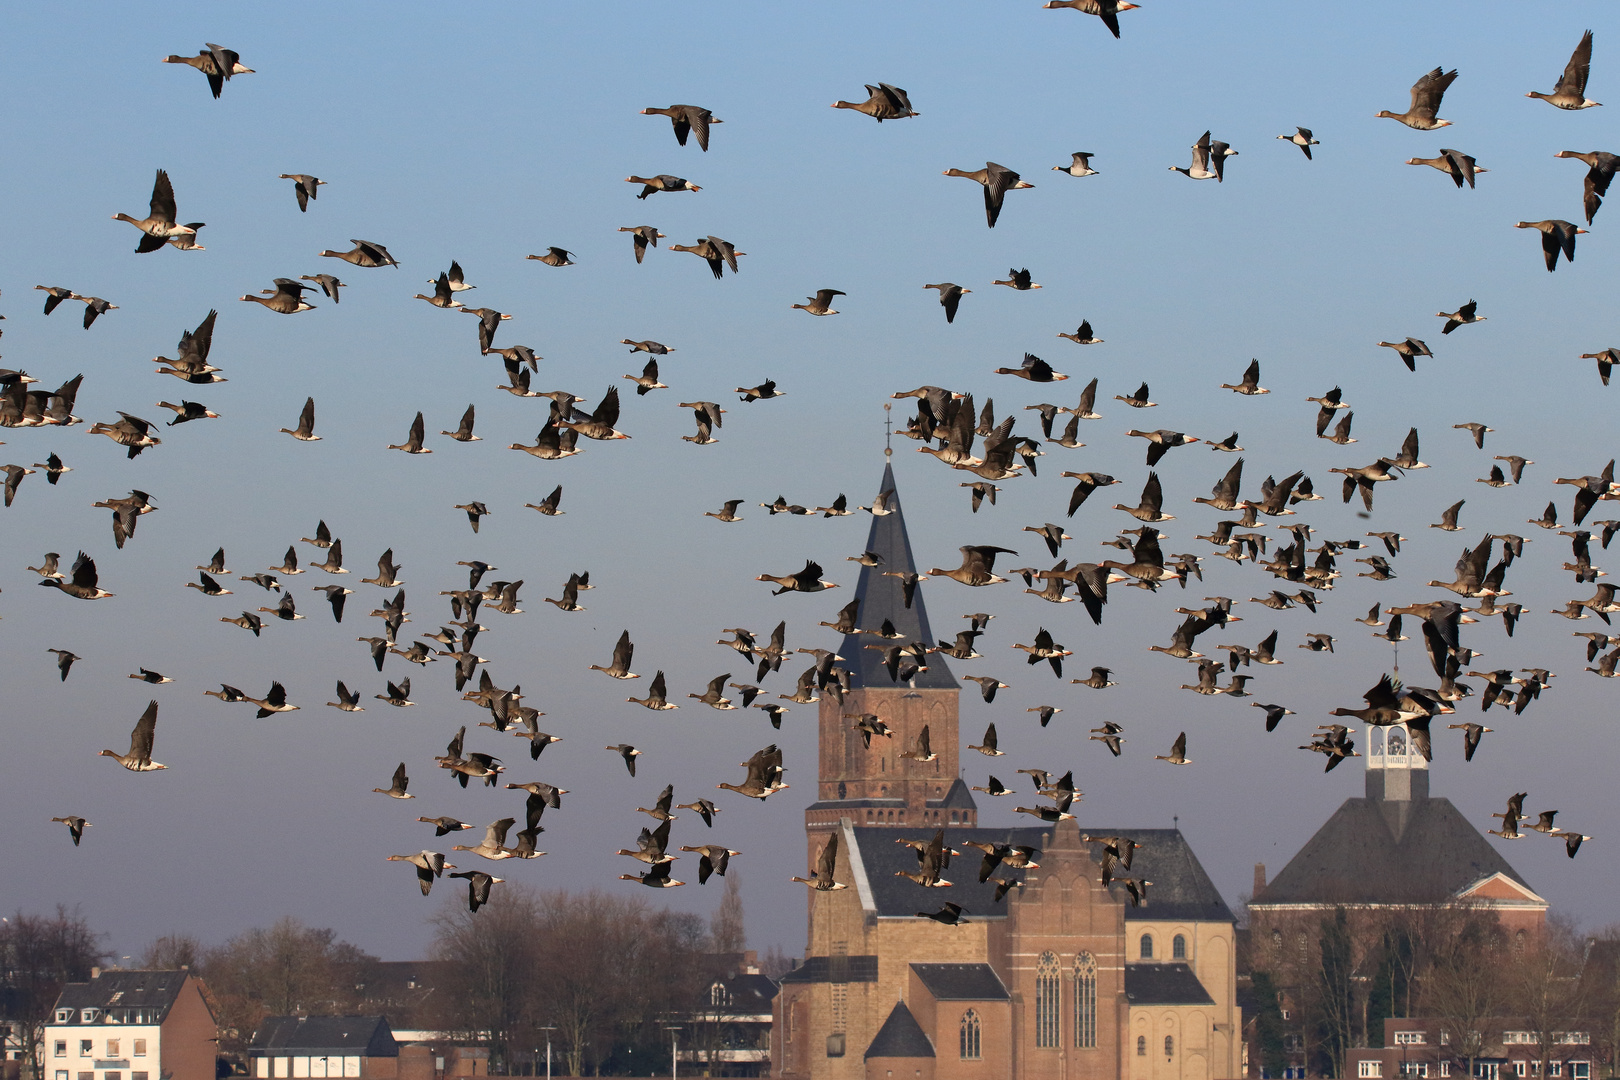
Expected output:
(1085, 1001)
(970, 1036)
(718, 997)
(1047, 989)
(1141, 1046)
(1178, 948)
(1277, 940)
(1147, 947)
(1169, 1046)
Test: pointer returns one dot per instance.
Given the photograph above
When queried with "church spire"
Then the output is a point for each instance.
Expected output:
(884, 598)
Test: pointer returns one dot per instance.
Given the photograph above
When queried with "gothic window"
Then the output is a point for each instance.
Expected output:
(1047, 988)
(1178, 948)
(1169, 1046)
(1141, 1046)
(970, 1036)
(1085, 1001)
(1147, 947)
(718, 997)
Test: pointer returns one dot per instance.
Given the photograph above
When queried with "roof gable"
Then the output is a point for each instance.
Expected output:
(1499, 887)
(900, 1037)
(961, 982)
(124, 990)
(1357, 858)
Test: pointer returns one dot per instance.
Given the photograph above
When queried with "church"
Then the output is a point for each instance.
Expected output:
(1061, 980)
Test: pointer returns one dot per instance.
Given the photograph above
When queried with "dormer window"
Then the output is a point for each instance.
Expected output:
(64, 1016)
(89, 1016)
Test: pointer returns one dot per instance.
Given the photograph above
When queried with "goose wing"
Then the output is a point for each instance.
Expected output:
(140, 739)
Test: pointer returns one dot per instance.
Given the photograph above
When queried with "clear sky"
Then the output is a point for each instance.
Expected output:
(485, 134)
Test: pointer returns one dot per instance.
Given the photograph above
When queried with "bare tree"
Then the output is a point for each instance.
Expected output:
(285, 969)
(39, 954)
(1547, 990)
(172, 952)
(727, 931)
(1465, 988)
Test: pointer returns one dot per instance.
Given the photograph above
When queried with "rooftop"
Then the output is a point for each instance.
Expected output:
(1164, 984)
(368, 1036)
(900, 1037)
(123, 990)
(961, 982)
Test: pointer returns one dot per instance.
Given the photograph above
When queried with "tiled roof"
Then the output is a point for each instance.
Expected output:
(961, 982)
(884, 598)
(957, 797)
(820, 969)
(124, 990)
(1164, 984)
(1180, 890)
(1371, 851)
(355, 1035)
(900, 1037)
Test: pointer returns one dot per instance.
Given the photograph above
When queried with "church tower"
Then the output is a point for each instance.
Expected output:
(875, 785)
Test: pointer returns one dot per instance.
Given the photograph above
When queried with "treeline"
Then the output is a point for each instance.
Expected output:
(1339, 976)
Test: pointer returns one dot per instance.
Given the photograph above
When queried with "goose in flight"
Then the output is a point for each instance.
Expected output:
(305, 187)
(139, 758)
(216, 62)
(883, 102)
(159, 225)
(688, 120)
(1426, 95)
(1557, 236)
(826, 867)
(997, 181)
(364, 253)
(1570, 93)
(1106, 10)
(1303, 139)
(429, 865)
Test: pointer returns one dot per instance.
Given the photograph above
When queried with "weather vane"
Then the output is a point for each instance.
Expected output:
(888, 430)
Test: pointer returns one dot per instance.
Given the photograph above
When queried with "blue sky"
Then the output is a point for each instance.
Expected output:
(490, 135)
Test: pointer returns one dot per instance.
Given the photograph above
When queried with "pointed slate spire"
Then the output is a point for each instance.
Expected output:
(884, 598)
(900, 1037)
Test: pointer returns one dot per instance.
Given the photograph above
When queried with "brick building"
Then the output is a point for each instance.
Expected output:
(287, 1047)
(132, 1025)
(1061, 979)
(1422, 1048)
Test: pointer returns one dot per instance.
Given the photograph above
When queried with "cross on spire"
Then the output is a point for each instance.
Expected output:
(888, 430)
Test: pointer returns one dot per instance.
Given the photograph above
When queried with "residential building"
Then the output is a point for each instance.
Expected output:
(297, 1047)
(132, 1025)
(1507, 1048)
(730, 1033)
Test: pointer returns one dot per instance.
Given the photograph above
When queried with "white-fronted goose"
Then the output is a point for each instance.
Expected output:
(1599, 173)
(1556, 236)
(1302, 138)
(1408, 350)
(883, 102)
(159, 224)
(1018, 279)
(14, 475)
(286, 299)
(765, 391)
(413, 444)
(548, 506)
(493, 846)
(950, 297)
(64, 661)
(554, 256)
(807, 580)
(364, 253)
(1251, 381)
(54, 468)
(1477, 430)
(647, 381)
(997, 181)
(821, 303)
(653, 347)
(94, 306)
(130, 432)
(305, 187)
(185, 411)
(478, 886)
(1570, 93)
(1426, 95)
(600, 423)
(1084, 336)
(661, 182)
(77, 825)
(1080, 166)
(1454, 163)
(139, 758)
(623, 652)
(148, 676)
(1605, 365)
(329, 285)
(397, 789)
(442, 296)
(826, 866)
(552, 443)
(1106, 10)
(656, 877)
(84, 583)
(275, 701)
(719, 254)
(247, 621)
(216, 62)
(1178, 752)
(643, 235)
(429, 864)
(688, 119)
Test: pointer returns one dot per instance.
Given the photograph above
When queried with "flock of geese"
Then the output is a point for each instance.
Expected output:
(960, 435)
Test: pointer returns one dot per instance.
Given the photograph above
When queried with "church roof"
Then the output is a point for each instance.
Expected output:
(1181, 889)
(1372, 851)
(957, 797)
(900, 1037)
(961, 982)
(885, 598)
(1164, 984)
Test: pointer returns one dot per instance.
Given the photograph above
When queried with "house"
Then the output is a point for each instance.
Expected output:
(1508, 1048)
(730, 1034)
(1060, 978)
(286, 1047)
(132, 1025)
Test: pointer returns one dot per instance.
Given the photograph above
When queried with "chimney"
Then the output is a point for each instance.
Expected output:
(95, 973)
(1259, 880)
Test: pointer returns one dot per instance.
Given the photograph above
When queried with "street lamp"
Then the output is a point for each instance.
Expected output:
(548, 1031)
(674, 1054)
